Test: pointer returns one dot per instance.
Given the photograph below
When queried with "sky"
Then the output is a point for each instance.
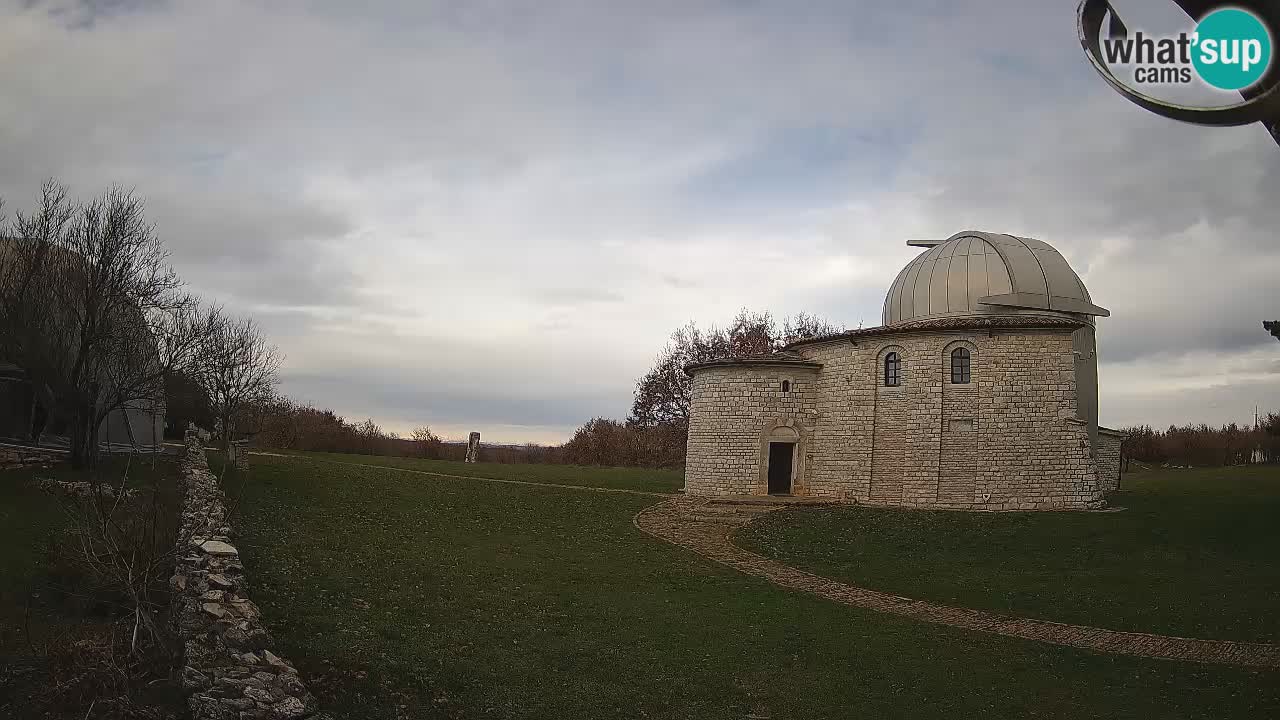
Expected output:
(491, 215)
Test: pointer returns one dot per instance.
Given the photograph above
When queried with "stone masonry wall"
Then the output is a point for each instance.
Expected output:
(1033, 455)
(230, 670)
(960, 452)
(1001, 442)
(1005, 441)
(729, 412)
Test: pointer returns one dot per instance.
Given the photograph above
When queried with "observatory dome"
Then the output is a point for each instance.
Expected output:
(980, 274)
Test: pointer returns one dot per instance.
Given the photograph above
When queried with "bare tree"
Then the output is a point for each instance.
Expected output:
(428, 443)
(92, 311)
(804, 326)
(124, 539)
(663, 395)
(370, 436)
(237, 368)
(186, 401)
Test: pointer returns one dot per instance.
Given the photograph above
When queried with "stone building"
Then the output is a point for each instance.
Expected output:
(979, 391)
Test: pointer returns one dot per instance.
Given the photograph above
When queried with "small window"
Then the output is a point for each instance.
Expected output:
(892, 370)
(786, 386)
(960, 366)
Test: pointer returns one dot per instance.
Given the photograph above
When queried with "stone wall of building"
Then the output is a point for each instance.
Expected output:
(230, 669)
(1109, 459)
(960, 452)
(1005, 441)
(732, 410)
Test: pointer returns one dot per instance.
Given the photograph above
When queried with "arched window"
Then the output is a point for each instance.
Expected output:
(892, 370)
(786, 386)
(960, 365)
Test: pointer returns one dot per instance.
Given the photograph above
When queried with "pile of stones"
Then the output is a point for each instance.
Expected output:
(80, 488)
(230, 670)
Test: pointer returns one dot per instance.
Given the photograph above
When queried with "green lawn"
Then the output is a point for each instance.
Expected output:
(1195, 553)
(408, 596)
(643, 479)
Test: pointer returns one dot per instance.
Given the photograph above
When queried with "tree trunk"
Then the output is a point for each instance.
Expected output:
(225, 432)
(84, 438)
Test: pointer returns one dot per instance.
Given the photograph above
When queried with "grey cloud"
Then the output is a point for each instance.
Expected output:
(1171, 226)
(575, 295)
(1100, 166)
(439, 403)
(255, 251)
(1217, 405)
(440, 381)
(240, 247)
(679, 283)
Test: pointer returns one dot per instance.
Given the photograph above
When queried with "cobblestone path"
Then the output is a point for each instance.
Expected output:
(704, 527)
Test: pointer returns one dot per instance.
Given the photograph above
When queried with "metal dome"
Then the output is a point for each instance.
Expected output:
(981, 273)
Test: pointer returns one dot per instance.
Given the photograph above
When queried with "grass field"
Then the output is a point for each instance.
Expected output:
(28, 520)
(642, 479)
(1195, 553)
(403, 595)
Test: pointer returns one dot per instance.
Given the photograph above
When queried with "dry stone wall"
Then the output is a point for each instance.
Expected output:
(17, 456)
(230, 669)
(1008, 440)
(1109, 458)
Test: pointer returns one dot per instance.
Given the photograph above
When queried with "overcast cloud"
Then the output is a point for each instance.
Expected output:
(489, 216)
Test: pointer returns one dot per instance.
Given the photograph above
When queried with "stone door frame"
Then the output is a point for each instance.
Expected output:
(784, 430)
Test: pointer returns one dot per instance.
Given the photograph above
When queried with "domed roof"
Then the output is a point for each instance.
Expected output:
(981, 273)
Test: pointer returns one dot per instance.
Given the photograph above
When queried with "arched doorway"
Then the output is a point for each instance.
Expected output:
(782, 441)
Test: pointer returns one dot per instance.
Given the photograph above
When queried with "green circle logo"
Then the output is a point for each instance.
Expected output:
(1232, 49)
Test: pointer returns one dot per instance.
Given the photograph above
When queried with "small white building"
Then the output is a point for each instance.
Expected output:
(140, 427)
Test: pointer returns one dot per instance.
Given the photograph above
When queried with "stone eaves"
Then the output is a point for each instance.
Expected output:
(778, 359)
(994, 322)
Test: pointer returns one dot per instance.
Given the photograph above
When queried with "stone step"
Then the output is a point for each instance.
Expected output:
(769, 500)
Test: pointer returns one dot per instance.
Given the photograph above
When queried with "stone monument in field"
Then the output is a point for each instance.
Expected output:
(473, 446)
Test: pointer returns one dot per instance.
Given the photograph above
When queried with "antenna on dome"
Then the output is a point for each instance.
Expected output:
(925, 243)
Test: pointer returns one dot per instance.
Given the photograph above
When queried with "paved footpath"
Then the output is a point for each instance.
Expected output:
(685, 522)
